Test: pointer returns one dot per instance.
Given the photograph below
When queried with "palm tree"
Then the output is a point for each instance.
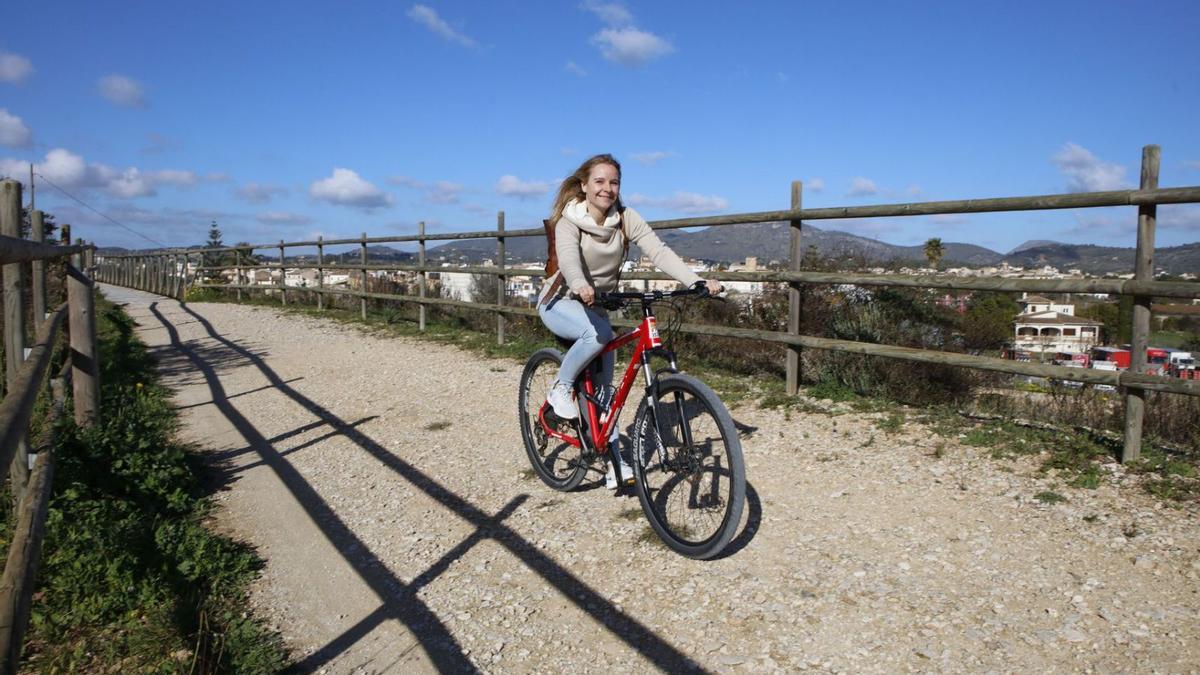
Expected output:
(934, 251)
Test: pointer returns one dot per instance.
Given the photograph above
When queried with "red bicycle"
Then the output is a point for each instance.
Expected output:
(685, 452)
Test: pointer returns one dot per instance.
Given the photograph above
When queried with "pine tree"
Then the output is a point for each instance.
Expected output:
(214, 258)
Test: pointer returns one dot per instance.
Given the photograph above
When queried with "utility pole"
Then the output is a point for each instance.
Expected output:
(32, 203)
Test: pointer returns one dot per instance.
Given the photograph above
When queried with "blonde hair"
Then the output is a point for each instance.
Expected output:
(572, 186)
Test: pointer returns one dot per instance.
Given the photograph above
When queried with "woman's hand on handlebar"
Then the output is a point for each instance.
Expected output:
(714, 286)
(587, 295)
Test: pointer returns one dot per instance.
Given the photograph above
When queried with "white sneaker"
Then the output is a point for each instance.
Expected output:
(561, 400)
(615, 455)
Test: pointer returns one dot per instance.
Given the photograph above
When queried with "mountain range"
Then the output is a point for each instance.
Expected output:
(769, 243)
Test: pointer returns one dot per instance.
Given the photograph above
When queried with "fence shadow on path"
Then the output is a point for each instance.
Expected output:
(399, 600)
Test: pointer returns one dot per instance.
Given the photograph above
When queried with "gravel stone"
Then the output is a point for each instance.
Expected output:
(384, 481)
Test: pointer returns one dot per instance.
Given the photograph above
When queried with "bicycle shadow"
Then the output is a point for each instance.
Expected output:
(399, 600)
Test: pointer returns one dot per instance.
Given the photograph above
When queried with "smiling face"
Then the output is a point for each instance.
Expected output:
(602, 188)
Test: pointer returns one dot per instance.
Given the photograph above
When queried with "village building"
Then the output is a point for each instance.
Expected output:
(1049, 327)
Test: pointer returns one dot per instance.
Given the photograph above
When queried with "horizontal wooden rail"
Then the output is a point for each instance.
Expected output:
(15, 250)
(1166, 289)
(18, 404)
(1087, 375)
(1179, 195)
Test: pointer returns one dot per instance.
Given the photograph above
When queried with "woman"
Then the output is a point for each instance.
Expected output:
(591, 230)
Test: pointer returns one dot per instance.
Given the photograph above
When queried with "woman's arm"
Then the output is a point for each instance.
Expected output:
(566, 245)
(662, 256)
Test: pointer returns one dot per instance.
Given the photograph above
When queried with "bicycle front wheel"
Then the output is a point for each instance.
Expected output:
(559, 464)
(691, 480)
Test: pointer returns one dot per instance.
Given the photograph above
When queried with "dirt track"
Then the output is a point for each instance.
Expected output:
(383, 480)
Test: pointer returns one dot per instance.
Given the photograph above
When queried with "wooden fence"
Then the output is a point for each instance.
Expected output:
(31, 472)
(166, 272)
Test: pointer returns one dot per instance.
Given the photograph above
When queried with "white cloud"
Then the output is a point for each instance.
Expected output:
(913, 191)
(217, 177)
(575, 69)
(445, 192)
(653, 157)
(1192, 164)
(861, 187)
(427, 17)
(282, 218)
(815, 185)
(1087, 173)
(130, 183)
(347, 188)
(511, 186)
(122, 91)
(14, 68)
(609, 12)
(259, 193)
(177, 177)
(440, 192)
(1179, 217)
(630, 46)
(13, 131)
(683, 202)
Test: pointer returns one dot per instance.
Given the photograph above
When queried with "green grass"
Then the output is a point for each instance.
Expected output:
(1175, 339)
(1049, 497)
(131, 580)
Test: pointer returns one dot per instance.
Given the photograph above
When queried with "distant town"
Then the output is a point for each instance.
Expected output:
(1042, 330)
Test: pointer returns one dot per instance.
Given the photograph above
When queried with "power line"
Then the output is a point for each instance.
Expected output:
(97, 212)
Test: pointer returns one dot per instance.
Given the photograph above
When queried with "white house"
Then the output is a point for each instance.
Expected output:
(1044, 326)
(1036, 303)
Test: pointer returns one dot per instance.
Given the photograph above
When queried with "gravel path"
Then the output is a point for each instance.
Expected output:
(403, 534)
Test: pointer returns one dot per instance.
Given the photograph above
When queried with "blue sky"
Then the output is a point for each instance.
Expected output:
(285, 120)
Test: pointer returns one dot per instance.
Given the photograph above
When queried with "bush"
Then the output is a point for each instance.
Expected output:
(131, 580)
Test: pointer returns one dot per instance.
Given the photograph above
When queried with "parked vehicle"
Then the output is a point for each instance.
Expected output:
(1119, 357)
(1181, 364)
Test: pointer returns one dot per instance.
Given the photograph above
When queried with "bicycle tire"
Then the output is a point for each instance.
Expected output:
(700, 523)
(558, 464)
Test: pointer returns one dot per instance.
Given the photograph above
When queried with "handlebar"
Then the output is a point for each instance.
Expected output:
(615, 300)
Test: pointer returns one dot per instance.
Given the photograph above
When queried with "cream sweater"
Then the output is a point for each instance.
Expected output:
(590, 254)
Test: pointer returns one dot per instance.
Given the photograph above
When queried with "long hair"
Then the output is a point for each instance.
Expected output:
(572, 186)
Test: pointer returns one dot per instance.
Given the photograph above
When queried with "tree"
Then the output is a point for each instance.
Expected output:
(934, 251)
(48, 224)
(988, 321)
(214, 258)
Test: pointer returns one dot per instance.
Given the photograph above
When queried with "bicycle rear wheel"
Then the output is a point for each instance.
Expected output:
(691, 480)
(559, 464)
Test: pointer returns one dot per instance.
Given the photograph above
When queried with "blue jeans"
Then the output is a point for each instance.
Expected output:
(588, 327)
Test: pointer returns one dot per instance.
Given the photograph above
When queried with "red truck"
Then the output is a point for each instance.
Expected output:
(1120, 357)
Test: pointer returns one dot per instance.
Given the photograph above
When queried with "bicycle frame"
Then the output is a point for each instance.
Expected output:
(647, 338)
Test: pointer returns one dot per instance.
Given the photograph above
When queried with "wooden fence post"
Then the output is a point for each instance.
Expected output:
(237, 273)
(85, 368)
(282, 276)
(363, 255)
(794, 259)
(424, 275)
(14, 325)
(320, 272)
(38, 268)
(500, 279)
(1135, 399)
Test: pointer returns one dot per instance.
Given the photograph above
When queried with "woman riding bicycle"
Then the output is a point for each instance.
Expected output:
(592, 233)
